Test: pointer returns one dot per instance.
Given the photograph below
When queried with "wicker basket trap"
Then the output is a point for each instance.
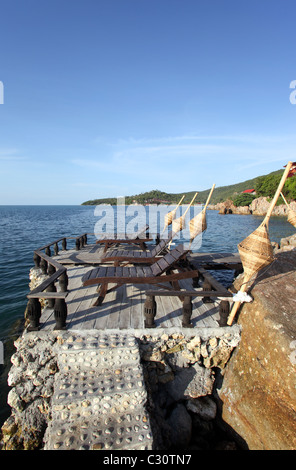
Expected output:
(292, 217)
(256, 251)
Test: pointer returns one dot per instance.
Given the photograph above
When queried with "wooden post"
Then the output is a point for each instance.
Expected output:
(60, 314)
(33, 314)
(187, 312)
(224, 309)
(206, 287)
(64, 244)
(37, 260)
(63, 281)
(195, 280)
(77, 244)
(43, 266)
(51, 269)
(56, 248)
(47, 251)
(150, 311)
(51, 288)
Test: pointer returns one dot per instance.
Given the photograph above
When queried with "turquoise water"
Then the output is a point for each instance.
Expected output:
(25, 228)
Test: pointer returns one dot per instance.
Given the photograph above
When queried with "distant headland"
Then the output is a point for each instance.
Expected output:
(240, 194)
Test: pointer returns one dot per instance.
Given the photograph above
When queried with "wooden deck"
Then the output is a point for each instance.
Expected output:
(123, 308)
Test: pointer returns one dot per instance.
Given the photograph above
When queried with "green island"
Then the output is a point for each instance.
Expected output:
(262, 185)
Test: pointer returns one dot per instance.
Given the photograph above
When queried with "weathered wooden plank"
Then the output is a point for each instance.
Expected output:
(103, 311)
(82, 314)
(119, 272)
(170, 258)
(92, 274)
(47, 320)
(114, 313)
(204, 314)
(112, 271)
(136, 310)
(170, 312)
(79, 301)
(125, 307)
(155, 269)
(48, 295)
(163, 263)
(133, 271)
(102, 271)
(191, 293)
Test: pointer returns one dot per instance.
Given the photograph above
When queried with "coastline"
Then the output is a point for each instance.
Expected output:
(259, 206)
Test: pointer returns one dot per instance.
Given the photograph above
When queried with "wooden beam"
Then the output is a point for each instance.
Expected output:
(47, 295)
(178, 293)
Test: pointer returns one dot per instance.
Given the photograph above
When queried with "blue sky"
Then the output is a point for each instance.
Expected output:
(116, 97)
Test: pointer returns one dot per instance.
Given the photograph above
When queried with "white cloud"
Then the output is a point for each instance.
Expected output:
(188, 160)
(10, 154)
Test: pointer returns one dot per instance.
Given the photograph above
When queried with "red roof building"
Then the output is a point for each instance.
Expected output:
(249, 191)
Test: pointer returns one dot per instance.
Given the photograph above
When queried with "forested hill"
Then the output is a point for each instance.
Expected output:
(264, 185)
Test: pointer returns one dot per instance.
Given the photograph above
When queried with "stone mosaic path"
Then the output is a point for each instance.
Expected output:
(99, 396)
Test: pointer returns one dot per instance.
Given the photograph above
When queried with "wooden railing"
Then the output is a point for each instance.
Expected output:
(211, 289)
(47, 289)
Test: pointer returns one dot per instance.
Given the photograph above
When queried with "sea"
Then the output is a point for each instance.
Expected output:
(23, 229)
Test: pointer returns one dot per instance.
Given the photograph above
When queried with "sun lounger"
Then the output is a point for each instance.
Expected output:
(139, 238)
(147, 256)
(158, 273)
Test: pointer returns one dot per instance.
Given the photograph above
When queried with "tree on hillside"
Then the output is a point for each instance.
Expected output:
(267, 186)
(243, 200)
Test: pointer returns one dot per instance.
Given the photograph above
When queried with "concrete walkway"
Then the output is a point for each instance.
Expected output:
(99, 395)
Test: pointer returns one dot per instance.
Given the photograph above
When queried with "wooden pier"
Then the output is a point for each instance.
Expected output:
(102, 351)
(200, 302)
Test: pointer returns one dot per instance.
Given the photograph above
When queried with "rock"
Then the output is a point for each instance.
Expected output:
(258, 393)
(219, 354)
(36, 278)
(14, 400)
(166, 374)
(288, 243)
(204, 407)
(181, 427)
(191, 382)
(32, 378)
(259, 206)
(226, 207)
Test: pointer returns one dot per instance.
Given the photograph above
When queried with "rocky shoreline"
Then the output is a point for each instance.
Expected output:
(259, 206)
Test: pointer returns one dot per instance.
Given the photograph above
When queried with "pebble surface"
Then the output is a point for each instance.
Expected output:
(99, 396)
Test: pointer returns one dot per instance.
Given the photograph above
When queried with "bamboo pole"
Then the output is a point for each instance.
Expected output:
(278, 192)
(291, 213)
(285, 201)
(263, 231)
(209, 198)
